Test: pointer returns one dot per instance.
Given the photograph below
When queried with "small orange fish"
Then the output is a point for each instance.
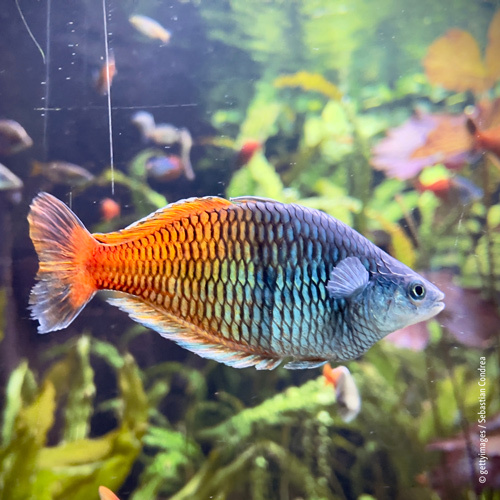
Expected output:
(484, 140)
(247, 151)
(106, 75)
(109, 209)
(106, 494)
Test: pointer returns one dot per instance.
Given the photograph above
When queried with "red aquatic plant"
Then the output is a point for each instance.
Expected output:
(428, 139)
(423, 140)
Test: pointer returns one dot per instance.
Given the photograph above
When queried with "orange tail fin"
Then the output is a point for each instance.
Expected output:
(64, 247)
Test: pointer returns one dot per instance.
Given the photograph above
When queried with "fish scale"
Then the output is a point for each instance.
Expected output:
(191, 237)
(245, 282)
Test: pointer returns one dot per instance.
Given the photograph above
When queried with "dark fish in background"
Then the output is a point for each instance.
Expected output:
(13, 138)
(150, 28)
(61, 172)
(246, 282)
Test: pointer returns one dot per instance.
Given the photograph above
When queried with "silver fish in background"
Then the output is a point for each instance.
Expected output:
(11, 184)
(246, 282)
(186, 142)
(8, 180)
(150, 28)
(13, 138)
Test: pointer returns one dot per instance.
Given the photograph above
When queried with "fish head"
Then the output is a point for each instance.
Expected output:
(401, 298)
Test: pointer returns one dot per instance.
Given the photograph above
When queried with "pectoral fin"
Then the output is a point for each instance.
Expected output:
(347, 279)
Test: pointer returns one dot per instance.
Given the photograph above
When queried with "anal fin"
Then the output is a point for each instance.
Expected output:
(190, 337)
(305, 364)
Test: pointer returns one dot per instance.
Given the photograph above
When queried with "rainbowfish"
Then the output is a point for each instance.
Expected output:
(246, 282)
(150, 28)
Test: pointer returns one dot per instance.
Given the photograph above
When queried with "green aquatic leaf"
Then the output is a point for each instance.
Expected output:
(257, 178)
(401, 245)
(261, 116)
(309, 82)
(196, 383)
(18, 459)
(308, 399)
(135, 401)
(493, 217)
(77, 452)
(107, 351)
(14, 397)
(143, 196)
(314, 131)
(176, 452)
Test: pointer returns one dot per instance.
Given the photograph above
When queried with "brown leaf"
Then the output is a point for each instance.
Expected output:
(493, 48)
(454, 62)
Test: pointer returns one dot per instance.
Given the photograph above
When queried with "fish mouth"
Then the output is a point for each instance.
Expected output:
(440, 304)
(438, 307)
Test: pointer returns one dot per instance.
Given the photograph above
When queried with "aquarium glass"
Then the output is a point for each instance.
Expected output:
(248, 341)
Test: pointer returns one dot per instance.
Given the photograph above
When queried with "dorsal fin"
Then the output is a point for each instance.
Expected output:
(252, 199)
(163, 216)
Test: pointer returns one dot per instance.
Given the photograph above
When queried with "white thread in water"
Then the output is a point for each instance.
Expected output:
(108, 84)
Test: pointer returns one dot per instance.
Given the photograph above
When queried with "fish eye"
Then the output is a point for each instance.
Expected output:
(417, 291)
